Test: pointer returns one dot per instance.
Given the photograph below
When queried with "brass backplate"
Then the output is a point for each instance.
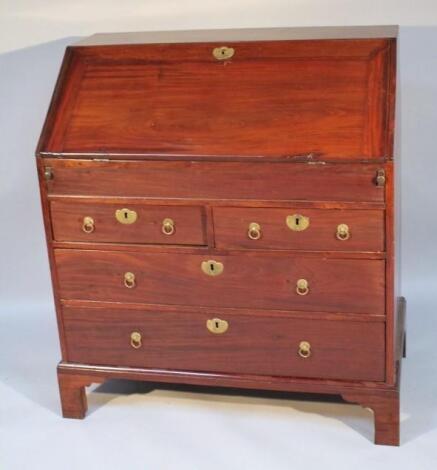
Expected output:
(297, 222)
(212, 268)
(217, 326)
(126, 216)
(223, 53)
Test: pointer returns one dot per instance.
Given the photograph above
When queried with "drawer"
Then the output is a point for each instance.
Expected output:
(252, 343)
(216, 180)
(127, 223)
(240, 280)
(299, 229)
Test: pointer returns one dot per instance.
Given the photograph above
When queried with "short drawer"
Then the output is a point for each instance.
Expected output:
(244, 280)
(127, 223)
(299, 229)
(274, 345)
(216, 180)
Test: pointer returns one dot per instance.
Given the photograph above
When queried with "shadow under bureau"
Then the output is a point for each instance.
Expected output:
(220, 209)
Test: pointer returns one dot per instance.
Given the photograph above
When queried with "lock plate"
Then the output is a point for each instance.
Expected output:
(297, 222)
(212, 268)
(217, 326)
(223, 53)
(126, 216)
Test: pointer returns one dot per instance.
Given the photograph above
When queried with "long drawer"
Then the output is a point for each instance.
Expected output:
(216, 180)
(242, 280)
(299, 229)
(274, 345)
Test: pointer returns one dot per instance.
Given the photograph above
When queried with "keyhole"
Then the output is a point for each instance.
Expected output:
(125, 215)
(217, 325)
(297, 221)
(211, 267)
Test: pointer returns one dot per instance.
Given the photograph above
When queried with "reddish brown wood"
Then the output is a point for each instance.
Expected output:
(261, 281)
(179, 249)
(72, 392)
(241, 35)
(216, 180)
(285, 125)
(366, 229)
(297, 314)
(380, 396)
(170, 99)
(390, 293)
(67, 221)
(385, 407)
(253, 344)
(50, 252)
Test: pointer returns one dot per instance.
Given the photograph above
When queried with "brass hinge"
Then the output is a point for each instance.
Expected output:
(380, 177)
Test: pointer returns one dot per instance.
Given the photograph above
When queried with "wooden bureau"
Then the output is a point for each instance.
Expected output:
(220, 210)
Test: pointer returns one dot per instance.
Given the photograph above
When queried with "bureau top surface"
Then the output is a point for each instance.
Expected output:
(242, 34)
(298, 94)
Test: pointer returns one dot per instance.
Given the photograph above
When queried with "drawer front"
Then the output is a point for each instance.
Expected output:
(216, 180)
(127, 223)
(299, 229)
(252, 344)
(242, 280)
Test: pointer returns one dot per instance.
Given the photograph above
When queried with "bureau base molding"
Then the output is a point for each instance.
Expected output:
(381, 398)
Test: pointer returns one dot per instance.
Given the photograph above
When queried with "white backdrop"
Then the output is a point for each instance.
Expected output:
(25, 23)
(33, 36)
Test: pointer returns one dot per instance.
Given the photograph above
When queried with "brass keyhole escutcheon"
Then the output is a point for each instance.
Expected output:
(343, 232)
(217, 326)
(129, 280)
(223, 53)
(126, 216)
(212, 268)
(304, 350)
(168, 227)
(297, 222)
(302, 287)
(88, 225)
(254, 231)
(135, 339)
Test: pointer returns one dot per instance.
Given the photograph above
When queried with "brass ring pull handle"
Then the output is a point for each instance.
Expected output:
(217, 326)
(168, 227)
(302, 287)
(254, 231)
(88, 225)
(343, 232)
(304, 350)
(135, 340)
(129, 280)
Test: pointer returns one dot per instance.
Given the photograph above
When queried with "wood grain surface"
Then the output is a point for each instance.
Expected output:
(247, 281)
(251, 345)
(366, 229)
(215, 180)
(68, 216)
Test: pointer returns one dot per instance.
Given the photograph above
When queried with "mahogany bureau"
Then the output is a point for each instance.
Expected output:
(220, 210)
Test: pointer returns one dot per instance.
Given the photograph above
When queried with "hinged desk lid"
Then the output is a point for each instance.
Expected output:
(326, 99)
